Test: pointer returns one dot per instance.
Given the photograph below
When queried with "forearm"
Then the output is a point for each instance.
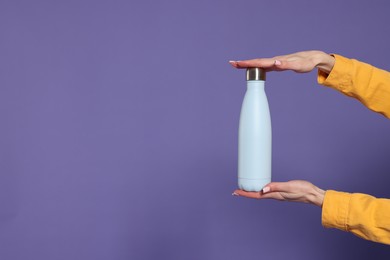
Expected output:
(359, 80)
(363, 215)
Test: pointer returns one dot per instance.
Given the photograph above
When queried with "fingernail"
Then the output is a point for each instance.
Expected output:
(266, 189)
(232, 61)
(235, 194)
(277, 62)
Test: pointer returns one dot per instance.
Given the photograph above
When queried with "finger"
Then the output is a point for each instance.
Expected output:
(258, 195)
(256, 63)
(233, 63)
(248, 194)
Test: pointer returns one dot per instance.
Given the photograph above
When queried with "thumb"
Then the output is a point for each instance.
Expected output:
(275, 187)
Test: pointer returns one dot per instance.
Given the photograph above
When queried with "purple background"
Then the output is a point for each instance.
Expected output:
(119, 119)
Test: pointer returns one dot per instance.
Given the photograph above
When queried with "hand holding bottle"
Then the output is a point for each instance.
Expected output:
(296, 191)
(300, 62)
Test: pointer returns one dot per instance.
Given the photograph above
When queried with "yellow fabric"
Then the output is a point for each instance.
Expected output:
(360, 214)
(368, 84)
(363, 215)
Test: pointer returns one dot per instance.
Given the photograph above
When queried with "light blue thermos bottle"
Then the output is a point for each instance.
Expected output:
(254, 134)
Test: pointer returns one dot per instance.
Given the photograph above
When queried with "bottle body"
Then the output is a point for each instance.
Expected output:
(254, 139)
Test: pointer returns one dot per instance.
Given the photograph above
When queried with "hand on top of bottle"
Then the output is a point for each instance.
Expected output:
(300, 62)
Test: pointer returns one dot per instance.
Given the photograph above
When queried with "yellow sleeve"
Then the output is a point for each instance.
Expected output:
(363, 215)
(360, 80)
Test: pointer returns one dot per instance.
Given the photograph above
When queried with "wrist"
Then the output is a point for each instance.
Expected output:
(317, 196)
(325, 62)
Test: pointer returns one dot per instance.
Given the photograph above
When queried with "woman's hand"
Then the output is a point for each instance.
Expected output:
(297, 191)
(300, 62)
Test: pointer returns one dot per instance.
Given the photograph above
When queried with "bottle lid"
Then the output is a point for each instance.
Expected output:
(255, 74)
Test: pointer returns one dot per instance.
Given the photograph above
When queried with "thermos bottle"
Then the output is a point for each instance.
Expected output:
(254, 134)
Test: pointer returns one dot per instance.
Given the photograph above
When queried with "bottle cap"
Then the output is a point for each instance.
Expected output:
(255, 74)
